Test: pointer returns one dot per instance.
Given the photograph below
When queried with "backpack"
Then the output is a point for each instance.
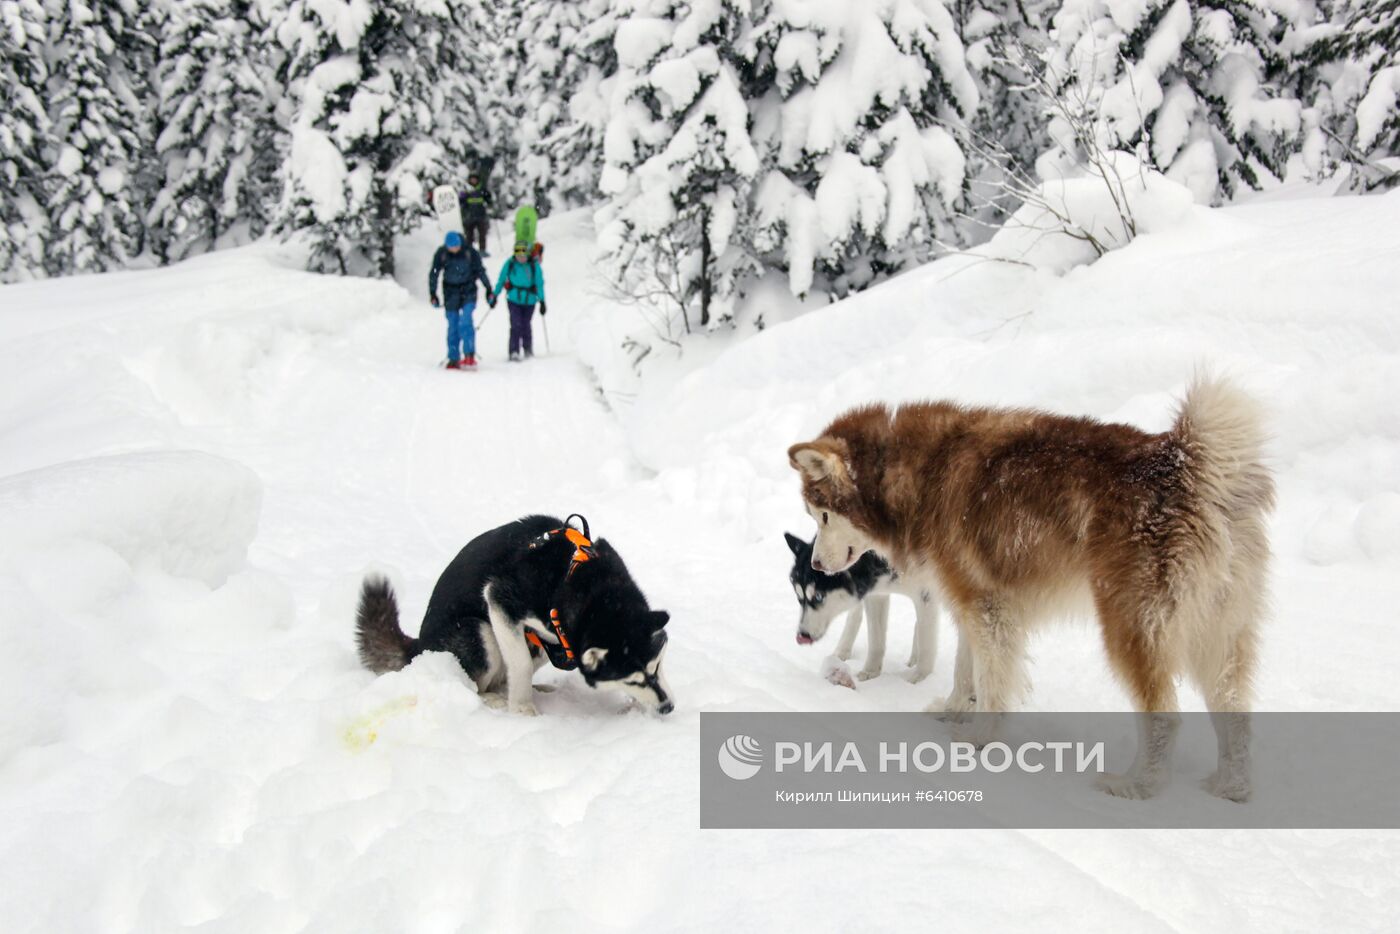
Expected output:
(534, 276)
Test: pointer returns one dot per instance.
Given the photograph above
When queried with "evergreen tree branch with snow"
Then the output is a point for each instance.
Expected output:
(1346, 65)
(1190, 86)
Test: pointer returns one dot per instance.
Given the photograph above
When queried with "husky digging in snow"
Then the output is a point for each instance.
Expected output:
(532, 590)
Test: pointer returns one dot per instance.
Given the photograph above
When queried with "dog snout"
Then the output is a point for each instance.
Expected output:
(664, 705)
(817, 564)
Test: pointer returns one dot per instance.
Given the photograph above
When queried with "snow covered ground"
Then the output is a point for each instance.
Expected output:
(198, 464)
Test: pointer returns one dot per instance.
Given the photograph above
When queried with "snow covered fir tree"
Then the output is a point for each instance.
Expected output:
(553, 60)
(24, 138)
(97, 135)
(722, 143)
(217, 111)
(679, 163)
(371, 82)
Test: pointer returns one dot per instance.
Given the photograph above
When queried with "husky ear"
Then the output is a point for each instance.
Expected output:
(820, 459)
(592, 658)
(796, 544)
(658, 619)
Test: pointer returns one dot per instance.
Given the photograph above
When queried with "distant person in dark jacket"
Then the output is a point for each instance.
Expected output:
(522, 280)
(460, 268)
(475, 205)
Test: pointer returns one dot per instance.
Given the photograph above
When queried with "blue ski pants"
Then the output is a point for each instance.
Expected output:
(461, 332)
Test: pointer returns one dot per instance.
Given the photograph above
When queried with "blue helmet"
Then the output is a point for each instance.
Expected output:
(453, 239)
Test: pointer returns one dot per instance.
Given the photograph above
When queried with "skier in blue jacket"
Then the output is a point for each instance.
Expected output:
(522, 280)
(460, 267)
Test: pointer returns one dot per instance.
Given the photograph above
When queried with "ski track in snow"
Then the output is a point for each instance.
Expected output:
(187, 741)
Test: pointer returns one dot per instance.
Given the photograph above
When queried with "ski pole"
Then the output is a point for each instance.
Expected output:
(545, 324)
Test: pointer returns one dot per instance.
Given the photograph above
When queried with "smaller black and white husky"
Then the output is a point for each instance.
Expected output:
(531, 591)
(861, 590)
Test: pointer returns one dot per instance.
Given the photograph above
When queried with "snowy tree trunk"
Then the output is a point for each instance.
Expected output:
(385, 222)
(706, 282)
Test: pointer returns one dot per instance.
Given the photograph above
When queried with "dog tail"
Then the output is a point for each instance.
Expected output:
(1223, 538)
(1222, 430)
(383, 646)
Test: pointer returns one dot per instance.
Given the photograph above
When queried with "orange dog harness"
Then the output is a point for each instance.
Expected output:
(562, 655)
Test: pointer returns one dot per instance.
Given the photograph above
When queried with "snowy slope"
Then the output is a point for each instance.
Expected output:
(199, 463)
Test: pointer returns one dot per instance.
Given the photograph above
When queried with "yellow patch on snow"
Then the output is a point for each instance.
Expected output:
(362, 733)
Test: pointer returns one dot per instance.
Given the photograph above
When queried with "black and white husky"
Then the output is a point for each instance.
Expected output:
(530, 591)
(861, 591)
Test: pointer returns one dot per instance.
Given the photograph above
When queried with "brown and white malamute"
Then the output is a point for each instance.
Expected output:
(1014, 515)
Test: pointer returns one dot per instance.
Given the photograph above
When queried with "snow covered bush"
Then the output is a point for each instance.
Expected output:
(1068, 213)
(373, 82)
(1072, 221)
(1189, 85)
(1008, 131)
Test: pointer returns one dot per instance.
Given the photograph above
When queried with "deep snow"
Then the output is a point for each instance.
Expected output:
(199, 463)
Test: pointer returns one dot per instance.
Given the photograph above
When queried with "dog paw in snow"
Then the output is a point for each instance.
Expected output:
(1126, 786)
(950, 709)
(1229, 787)
(835, 671)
